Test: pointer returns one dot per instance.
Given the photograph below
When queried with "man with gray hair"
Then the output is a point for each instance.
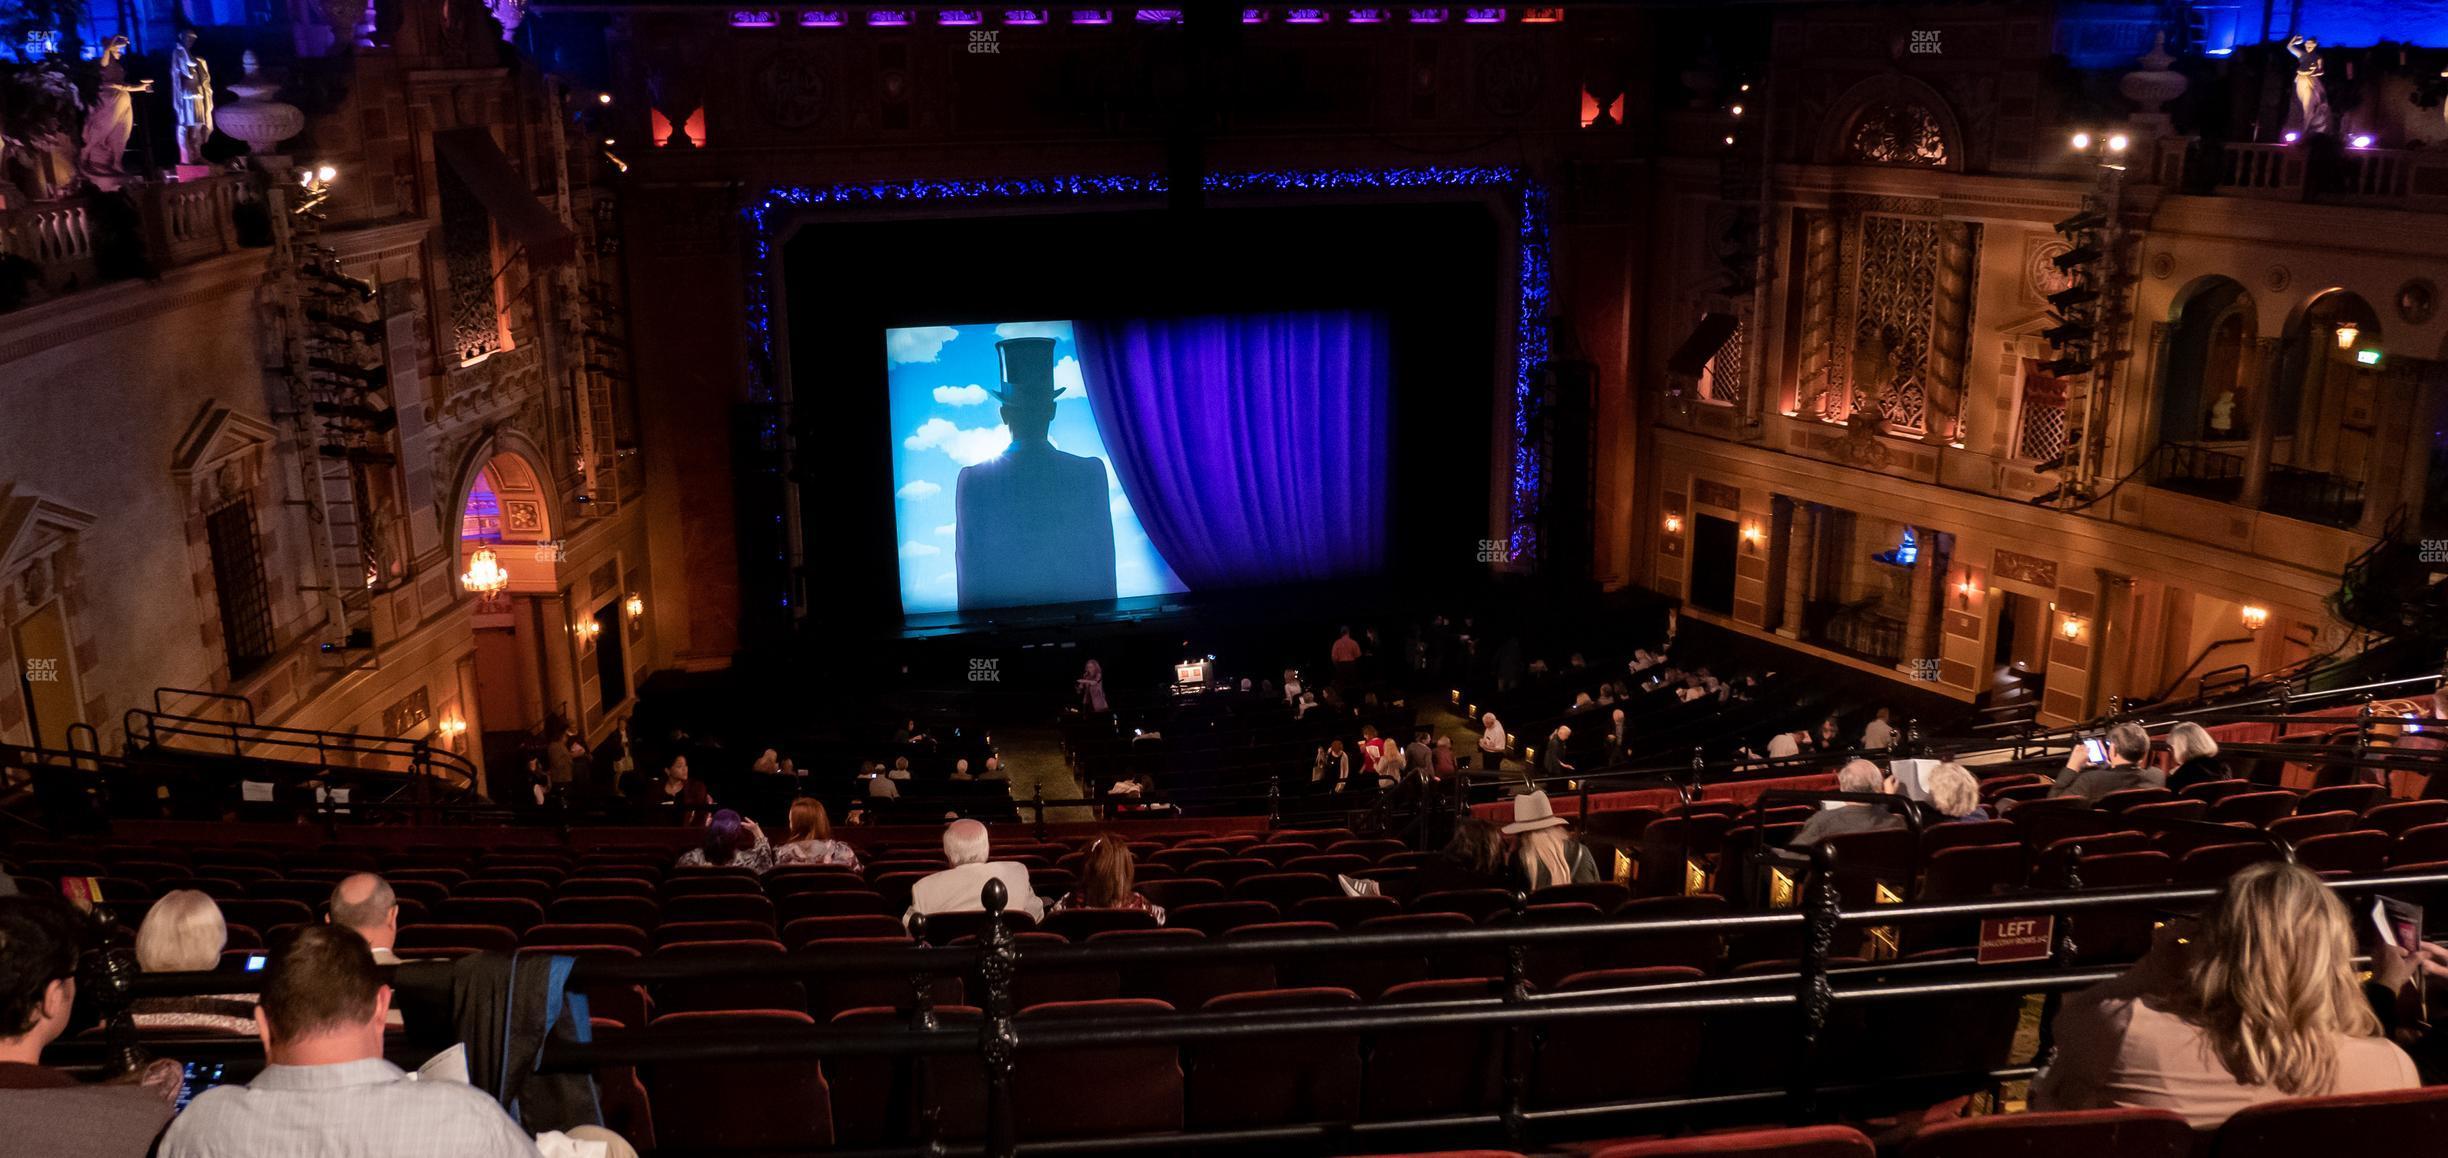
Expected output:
(957, 889)
(365, 905)
(2128, 746)
(1839, 817)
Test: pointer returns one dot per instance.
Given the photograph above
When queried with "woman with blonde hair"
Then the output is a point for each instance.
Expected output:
(184, 933)
(811, 838)
(1107, 874)
(1954, 792)
(2196, 755)
(2258, 1003)
(1545, 852)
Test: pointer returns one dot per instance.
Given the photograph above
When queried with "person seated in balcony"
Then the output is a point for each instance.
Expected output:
(959, 889)
(47, 1110)
(1546, 852)
(1473, 859)
(2128, 746)
(1954, 793)
(2196, 755)
(811, 838)
(674, 797)
(184, 933)
(1839, 817)
(1879, 734)
(1105, 881)
(731, 841)
(2258, 1002)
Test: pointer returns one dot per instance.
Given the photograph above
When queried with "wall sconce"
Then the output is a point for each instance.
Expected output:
(450, 728)
(1751, 535)
(635, 605)
(2255, 618)
(1674, 524)
(2347, 332)
(1457, 697)
(1965, 590)
(2071, 627)
(587, 629)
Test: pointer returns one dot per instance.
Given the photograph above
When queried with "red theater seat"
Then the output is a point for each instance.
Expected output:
(751, 1104)
(1096, 1091)
(1447, 1070)
(2087, 1133)
(1081, 924)
(433, 939)
(2397, 1122)
(1583, 1060)
(1798, 1142)
(1269, 1081)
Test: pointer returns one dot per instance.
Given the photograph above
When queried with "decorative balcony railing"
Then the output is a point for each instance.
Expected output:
(2305, 171)
(174, 224)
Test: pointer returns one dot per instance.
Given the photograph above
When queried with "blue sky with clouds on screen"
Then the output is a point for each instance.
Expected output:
(943, 419)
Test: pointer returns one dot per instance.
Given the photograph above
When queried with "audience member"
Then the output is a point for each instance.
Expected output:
(1331, 768)
(810, 840)
(1492, 742)
(326, 1089)
(1443, 761)
(1879, 734)
(1954, 792)
(1091, 687)
(879, 786)
(47, 1111)
(1473, 859)
(958, 889)
(1547, 854)
(1105, 881)
(1839, 817)
(184, 933)
(365, 905)
(1552, 766)
(731, 841)
(2127, 745)
(2196, 755)
(676, 798)
(995, 769)
(2260, 1002)
(1418, 757)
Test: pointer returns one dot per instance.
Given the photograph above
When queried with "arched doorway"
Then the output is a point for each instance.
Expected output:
(509, 559)
(2324, 425)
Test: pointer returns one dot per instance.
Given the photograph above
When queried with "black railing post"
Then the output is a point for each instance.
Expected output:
(108, 974)
(923, 1020)
(1818, 994)
(1039, 800)
(2061, 955)
(1582, 817)
(997, 1040)
(1517, 1037)
(1275, 801)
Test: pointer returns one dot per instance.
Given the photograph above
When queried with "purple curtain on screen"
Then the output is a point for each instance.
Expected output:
(1254, 447)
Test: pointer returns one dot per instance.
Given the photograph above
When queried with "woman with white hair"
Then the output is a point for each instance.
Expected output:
(2260, 1002)
(1954, 792)
(2196, 755)
(184, 933)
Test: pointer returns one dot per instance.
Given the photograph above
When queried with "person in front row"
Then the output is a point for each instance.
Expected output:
(47, 1111)
(957, 889)
(1546, 853)
(2128, 745)
(326, 1088)
(2260, 1003)
(1107, 875)
(1848, 816)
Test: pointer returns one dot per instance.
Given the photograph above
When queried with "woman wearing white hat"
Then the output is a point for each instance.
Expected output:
(1546, 852)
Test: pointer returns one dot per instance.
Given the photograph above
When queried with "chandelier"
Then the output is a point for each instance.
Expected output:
(485, 577)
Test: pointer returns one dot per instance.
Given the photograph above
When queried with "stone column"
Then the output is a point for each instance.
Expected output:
(1801, 547)
(1921, 622)
(2264, 365)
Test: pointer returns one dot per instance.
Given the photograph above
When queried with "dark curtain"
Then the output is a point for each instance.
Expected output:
(1255, 448)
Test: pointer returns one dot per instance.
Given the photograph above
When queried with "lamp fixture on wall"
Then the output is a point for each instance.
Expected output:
(1751, 535)
(449, 728)
(1674, 524)
(635, 605)
(2347, 332)
(2255, 618)
(587, 629)
(2071, 627)
(1965, 590)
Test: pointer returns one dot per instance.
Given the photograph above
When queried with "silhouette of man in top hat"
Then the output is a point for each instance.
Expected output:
(1034, 524)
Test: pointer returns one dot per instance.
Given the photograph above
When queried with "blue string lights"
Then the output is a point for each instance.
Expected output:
(770, 213)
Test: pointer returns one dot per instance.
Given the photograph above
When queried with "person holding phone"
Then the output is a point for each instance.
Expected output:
(2259, 1001)
(2090, 778)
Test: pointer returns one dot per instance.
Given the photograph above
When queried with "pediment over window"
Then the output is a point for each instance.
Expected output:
(218, 438)
(32, 527)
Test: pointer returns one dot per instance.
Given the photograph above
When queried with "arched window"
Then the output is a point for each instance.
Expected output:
(1898, 133)
(2206, 406)
(2325, 417)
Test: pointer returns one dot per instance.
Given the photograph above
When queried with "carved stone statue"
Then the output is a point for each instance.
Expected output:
(111, 119)
(192, 96)
(2311, 94)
